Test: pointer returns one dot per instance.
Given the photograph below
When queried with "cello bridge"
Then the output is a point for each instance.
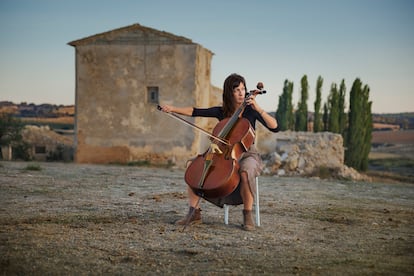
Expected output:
(215, 149)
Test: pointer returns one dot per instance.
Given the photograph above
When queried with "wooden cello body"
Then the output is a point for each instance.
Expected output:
(216, 172)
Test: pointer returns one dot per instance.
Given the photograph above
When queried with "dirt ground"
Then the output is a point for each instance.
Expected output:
(70, 219)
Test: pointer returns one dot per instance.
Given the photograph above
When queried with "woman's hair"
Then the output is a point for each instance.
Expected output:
(230, 83)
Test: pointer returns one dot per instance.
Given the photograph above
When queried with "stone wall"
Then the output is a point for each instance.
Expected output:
(305, 154)
(115, 121)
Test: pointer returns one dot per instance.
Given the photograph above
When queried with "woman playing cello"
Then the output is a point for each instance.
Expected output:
(234, 92)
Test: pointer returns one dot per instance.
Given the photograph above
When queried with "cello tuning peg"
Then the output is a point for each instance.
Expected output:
(259, 90)
(260, 86)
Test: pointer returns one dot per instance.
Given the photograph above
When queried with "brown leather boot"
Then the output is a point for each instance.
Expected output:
(248, 223)
(193, 217)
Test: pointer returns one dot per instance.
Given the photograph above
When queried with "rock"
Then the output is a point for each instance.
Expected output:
(304, 153)
(281, 172)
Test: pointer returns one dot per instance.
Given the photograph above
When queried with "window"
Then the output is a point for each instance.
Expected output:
(152, 94)
(40, 149)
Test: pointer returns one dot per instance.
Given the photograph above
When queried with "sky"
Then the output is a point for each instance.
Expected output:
(264, 40)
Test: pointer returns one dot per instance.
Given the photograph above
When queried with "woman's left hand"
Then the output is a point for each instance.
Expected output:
(251, 100)
(269, 120)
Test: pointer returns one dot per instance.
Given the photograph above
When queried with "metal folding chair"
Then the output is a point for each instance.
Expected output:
(256, 207)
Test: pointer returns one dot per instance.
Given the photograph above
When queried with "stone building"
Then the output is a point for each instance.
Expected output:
(121, 77)
(47, 145)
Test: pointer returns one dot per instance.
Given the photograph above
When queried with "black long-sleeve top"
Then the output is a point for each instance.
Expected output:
(217, 112)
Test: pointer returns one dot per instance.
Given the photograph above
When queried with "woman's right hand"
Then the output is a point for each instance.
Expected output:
(167, 108)
(187, 111)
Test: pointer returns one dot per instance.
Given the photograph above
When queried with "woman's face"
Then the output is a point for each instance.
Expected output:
(238, 94)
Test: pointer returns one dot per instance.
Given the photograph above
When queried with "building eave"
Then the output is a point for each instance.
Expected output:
(112, 33)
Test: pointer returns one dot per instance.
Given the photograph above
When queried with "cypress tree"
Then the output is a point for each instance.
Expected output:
(289, 109)
(301, 123)
(341, 108)
(353, 142)
(317, 120)
(281, 109)
(366, 148)
(333, 105)
(325, 117)
(282, 112)
(358, 138)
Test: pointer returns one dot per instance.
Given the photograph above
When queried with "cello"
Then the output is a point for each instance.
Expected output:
(215, 173)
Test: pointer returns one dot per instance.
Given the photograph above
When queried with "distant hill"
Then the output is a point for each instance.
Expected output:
(37, 111)
(57, 117)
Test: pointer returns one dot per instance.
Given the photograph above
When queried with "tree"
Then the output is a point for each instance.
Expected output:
(281, 108)
(301, 123)
(317, 120)
(341, 108)
(359, 132)
(284, 112)
(10, 129)
(333, 106)
(10, 135)
(290, 114)
(367, 117)
(289, 110)
(325, 117)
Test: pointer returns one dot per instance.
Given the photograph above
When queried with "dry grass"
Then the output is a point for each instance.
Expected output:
(382, 155)
(59, 120)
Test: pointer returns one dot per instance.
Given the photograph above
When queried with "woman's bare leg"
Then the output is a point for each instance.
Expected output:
(247, 196)
(193, 199)
(245, 192)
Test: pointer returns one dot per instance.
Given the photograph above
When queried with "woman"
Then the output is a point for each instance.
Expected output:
(234, 92)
